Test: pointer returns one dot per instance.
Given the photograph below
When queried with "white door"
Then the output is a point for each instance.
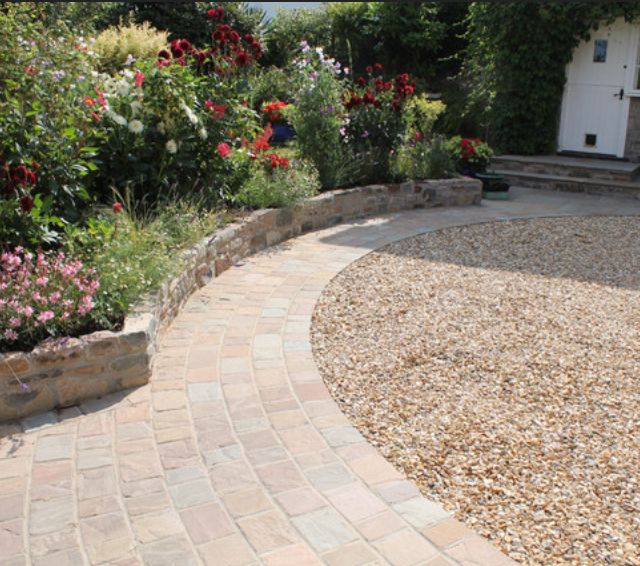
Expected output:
(594, 108)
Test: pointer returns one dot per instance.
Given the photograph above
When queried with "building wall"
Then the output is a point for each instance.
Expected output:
(632, 144)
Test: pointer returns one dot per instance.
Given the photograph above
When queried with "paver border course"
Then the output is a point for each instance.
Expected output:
(61, 373)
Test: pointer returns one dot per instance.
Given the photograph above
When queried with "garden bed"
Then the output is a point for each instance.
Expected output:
(497, 366)
(65, 372)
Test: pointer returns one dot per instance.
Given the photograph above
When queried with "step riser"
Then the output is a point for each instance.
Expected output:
(561, 170)
(573, 186)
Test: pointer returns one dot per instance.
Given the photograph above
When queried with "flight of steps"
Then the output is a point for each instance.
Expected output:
(564, 173)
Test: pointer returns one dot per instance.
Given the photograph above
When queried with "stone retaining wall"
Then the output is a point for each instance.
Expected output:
(63, 373)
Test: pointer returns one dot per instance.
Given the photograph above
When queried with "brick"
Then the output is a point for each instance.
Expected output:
(476, 550)
(191, 493)
(380, 526)
(405, 548)
(206, 523)
(329, 477)
(296, 555)
(56, 447)
(175, 550)
(106, 537)
(355, 502)
(324, 530)
(420, 512)
(267, 531)
(445, 533)
(246, 502)
(156, 526)
(233, 550)
(281, 476)
(300, 501)
(49, 516)
(354, 554)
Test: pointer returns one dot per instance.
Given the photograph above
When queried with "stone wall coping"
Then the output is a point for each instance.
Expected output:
(63, 372)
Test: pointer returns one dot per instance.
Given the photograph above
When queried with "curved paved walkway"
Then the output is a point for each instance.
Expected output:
(235, 453)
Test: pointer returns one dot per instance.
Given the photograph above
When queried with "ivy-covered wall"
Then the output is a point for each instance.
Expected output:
(516, 63)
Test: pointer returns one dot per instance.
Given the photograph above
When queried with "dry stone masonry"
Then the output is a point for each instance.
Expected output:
(66, 372)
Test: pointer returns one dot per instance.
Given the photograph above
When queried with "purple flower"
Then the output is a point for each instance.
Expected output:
(24, 387)
(313, 75)
(364, 134)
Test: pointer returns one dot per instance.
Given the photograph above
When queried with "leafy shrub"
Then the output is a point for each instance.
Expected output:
(44, 76)
(161, 123)
(134, 257)
(273, 83)
(424, 159)
(316, 116)
(118, 47)
(289, 27)
(279, 185)
(470, 155)
(45, 295)
(420, 115)
(375, 126)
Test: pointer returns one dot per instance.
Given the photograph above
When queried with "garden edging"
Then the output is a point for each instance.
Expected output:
(65, 372)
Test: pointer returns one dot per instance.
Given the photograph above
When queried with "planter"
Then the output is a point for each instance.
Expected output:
(66, 372)
(282, 132)
(494, 187)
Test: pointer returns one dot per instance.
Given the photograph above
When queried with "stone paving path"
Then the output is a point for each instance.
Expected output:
(235, 453)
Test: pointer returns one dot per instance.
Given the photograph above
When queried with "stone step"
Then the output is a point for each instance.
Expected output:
(570, 184)
(561, 165)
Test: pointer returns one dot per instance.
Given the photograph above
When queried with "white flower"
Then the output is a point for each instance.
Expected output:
(171, 146)
(135, 107)
(161, 127)
(202, 132)
(319, 51)
(130, 59)
(123, 88)
(190, 113)
(136, 126)
(120, 120)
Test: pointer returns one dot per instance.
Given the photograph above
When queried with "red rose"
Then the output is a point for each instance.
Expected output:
(26, 204)
(116, 207)
(223, 150)
(20, 174)
(242, 59)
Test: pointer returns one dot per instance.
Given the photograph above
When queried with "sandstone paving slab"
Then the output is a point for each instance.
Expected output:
(235, 453)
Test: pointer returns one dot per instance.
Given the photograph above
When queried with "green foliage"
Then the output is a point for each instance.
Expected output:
(280, 187)
(134, 257)
(317, 123)
(424, 159)
(285, 32)
(516, 63)
(420, 115)
(44, 73)
(115, 44)
(273, 83)
(417, 37)
(188, 20)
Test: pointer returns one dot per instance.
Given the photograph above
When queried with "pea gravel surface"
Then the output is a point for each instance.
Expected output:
(498, 366)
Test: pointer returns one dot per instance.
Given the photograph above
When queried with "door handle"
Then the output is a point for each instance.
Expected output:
(620, 94)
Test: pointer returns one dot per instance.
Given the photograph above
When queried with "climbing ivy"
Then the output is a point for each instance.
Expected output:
(516, 63)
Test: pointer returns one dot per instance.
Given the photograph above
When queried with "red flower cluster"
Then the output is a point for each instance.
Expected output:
(275, 161)
(178, 50)
(19, 176)
(468, 147)
(234, 49)
(218, 111)
(402, 86)
(216, 13)
(273, 110)
(262, 141)
(371, 68)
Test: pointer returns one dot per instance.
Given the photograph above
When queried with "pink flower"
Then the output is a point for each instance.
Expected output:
(117, 207)
(138, 79)
(36, 296)
(28, 311)
(14, 322)
(54, 297)
(42, 281)
(45, 316)
(10, 334)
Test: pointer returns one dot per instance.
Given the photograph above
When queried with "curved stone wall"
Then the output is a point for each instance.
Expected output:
(65, 372)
